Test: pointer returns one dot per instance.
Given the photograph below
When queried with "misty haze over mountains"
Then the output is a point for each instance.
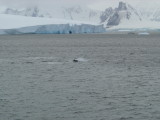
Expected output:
(110, 16)
(123, 15)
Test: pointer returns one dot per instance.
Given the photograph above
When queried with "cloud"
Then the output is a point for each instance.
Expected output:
(53, 2)
(43, 2)
(94, 4)
(141, 4)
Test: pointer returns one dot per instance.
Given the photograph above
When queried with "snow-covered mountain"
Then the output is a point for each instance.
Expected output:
(81, 13)
(120, 17)
(156, 15)
(31, 12)
(78, 13)
(109, 17)
(115, 16)
(150, 15)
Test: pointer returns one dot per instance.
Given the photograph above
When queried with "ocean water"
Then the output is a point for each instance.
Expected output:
(117, 77)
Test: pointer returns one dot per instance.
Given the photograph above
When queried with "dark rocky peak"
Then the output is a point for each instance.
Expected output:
(122, 6)
(105, 15)
(10, 11)
(114, 20)
(112, 17)
(34, 12)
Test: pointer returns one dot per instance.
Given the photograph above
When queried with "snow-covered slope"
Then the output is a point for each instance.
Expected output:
(15, 21)
(81, 13)
(156, 15)
(143, 25)
(70, 13)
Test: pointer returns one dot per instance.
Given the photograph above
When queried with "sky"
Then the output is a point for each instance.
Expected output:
(94, 4)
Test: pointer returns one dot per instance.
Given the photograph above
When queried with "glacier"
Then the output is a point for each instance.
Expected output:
(77, 19)
(56, 29)
(35, 25)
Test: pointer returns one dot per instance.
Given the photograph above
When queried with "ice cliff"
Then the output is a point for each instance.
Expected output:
(56, 29)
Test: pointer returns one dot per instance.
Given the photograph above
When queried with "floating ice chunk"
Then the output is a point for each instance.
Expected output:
(143, 33)
(123, 30)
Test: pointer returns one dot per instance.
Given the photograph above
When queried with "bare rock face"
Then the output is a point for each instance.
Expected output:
(122, 6)
(114, 20)
(33, 12)
(106, 14)
(113, 17)
(116, 17)
(10, 11)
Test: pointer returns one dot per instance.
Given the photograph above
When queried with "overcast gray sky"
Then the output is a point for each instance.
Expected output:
(97, 4)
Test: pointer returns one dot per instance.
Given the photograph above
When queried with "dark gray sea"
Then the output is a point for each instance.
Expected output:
(117, 77)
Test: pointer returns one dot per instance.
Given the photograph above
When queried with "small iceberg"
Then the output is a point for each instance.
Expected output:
(143, 33)
(125, 30)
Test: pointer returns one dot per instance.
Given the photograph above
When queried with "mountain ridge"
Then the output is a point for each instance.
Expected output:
(114, 16)
(122, 15)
